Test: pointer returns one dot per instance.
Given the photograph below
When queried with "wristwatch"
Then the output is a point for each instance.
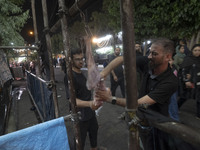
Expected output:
(113, 100)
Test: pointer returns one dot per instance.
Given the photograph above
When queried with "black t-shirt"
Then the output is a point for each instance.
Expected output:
(160, 88)
(84, 94)
(118, 70)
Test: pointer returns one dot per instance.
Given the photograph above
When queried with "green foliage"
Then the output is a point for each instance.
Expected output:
(169, 18)
(111, 9)
(98, 23)
(154, 18)
(57, 43)
(12, 20)
(76, 31)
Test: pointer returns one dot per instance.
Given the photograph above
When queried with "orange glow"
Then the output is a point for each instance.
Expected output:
(31, 32)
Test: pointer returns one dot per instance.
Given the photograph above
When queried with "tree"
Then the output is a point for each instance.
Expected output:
(57, 43)
(12, 20)
(157, 18)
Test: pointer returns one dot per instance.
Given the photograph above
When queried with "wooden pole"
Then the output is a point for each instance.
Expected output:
(130, 68)
(36, 34)
(63, 20)
(72, 11)
(49, 49)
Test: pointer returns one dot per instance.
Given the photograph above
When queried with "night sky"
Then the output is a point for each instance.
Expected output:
(52, 6)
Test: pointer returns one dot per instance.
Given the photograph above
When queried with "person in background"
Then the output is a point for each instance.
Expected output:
(178, 58)
(138, 49)
(55, 62)
(187, 90)
(58, 60)
(182, 42)
(191, 76)
(32, 67)
(173, 105)
(117, 75)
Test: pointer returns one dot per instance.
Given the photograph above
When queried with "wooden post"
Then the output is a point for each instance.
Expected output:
(36, 35)
(130, 67)
(49, 49)
(63, 20)
(72, 11)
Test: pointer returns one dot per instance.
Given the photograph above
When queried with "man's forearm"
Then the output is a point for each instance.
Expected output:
(81, 103)
(121, 102)
(113, 73)
(117, 61)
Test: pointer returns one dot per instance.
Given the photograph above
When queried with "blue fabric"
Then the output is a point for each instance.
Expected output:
(50, 135)
(173, 107)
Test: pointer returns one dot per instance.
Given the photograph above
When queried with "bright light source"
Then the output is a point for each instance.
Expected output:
(20, 59)
(31, 32)
(107, 49)
(119, 35)
(148, 42)
(99, 40)
(104, 50)
(94, 40)
(12, 43)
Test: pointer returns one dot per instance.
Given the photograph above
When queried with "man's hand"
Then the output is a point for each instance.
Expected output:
(94, 105)
(103, 95)
(115, 78)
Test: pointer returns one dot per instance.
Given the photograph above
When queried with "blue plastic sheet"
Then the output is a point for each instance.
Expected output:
(50, 135)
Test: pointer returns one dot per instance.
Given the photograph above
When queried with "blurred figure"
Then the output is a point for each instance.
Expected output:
(32, 68)
(178, 58)
(55, 62)
(138, 49)
(117, 75)
(187, 84)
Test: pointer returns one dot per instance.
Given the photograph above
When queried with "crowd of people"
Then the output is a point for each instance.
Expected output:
(167, 77)
(22, 66)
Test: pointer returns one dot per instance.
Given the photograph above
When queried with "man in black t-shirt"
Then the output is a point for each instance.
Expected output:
(88, 122)
(158, 85)
(117, 75)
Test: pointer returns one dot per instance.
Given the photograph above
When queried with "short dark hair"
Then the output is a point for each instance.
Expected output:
(75, 51)
(137, 43)
(118, 48)
(167, 44)
(181, 46)
(195, 45)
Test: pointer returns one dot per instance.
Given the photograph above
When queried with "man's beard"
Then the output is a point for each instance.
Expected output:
(152, 65)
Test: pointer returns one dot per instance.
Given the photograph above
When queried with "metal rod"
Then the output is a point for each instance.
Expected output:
(63, 20)
(129, 65)
(49, 49)
(19, 47)
(181, 131)
(41, 117)
(42, 80)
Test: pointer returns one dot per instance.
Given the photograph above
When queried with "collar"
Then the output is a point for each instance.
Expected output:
(162, 75)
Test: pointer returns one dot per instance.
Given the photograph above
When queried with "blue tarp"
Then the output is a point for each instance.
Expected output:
(50, 135)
